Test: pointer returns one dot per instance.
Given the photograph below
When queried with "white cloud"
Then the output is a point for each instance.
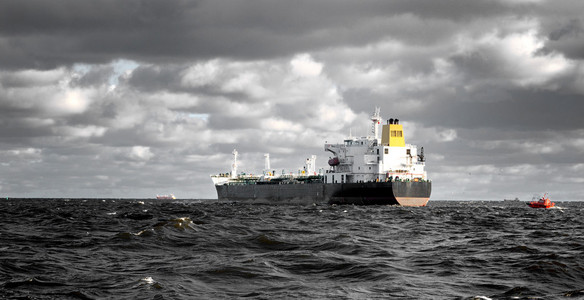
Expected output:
(518, 56)
(33, 77)
(448, 135)
(246, 82)
(71, 101)
(80, 131)
(201, 74)
(274, 124)
(29, 152)
(20, 156)
(522, 146)
(141, 153)
(429, 134)
(303, 65)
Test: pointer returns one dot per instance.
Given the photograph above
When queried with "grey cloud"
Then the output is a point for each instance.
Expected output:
(15, 130)
(561, 23)
(232, 123)
(526, 110)
(567, 37)
(571, 27)
(150, 78)
(96, 76)
(168, 77)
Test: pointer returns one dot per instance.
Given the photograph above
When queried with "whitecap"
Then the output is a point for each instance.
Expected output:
(148, 280)
(151, 283)
(143, 231)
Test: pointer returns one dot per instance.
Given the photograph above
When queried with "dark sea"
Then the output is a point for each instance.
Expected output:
(197, 249)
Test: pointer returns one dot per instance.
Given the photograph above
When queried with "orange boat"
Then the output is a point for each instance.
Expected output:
(543, 202)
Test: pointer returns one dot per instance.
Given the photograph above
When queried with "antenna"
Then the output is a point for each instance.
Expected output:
(421, 157)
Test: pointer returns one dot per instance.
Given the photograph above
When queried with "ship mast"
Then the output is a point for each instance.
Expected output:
(234, 165)
(376, 119)
(267, 167)
(310, 165)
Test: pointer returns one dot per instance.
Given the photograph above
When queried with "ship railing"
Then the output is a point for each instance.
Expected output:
(394, 180)
(222, 175)
(408, 180)
(294, 180)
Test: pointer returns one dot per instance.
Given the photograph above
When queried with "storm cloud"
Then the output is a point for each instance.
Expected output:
(137, 98)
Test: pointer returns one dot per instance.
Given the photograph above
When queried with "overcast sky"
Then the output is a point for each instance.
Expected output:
(136, 98)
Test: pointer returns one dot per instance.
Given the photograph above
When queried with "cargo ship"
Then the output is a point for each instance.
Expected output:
(378, 169)
(165, 197)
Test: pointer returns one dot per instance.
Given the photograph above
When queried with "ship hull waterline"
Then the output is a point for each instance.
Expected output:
(404, 193)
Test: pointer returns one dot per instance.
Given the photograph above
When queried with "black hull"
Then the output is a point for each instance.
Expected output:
(405, 193)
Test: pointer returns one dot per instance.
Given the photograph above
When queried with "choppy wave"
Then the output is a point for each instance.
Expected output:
(96, 249)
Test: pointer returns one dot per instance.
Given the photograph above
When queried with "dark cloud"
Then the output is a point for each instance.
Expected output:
(20, 129)
(41, 34)
(567, 38)
(152, 78)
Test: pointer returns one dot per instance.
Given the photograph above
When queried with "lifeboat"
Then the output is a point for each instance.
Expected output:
(543, 202)
(334, 161)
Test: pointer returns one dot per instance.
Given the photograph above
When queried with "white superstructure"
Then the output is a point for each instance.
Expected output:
(376, 158)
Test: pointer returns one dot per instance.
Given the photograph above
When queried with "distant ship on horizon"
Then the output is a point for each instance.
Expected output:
(376, 169)
(516, 199)
(165, 197)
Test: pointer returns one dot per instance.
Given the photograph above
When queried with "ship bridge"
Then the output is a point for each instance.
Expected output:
(376, 158)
